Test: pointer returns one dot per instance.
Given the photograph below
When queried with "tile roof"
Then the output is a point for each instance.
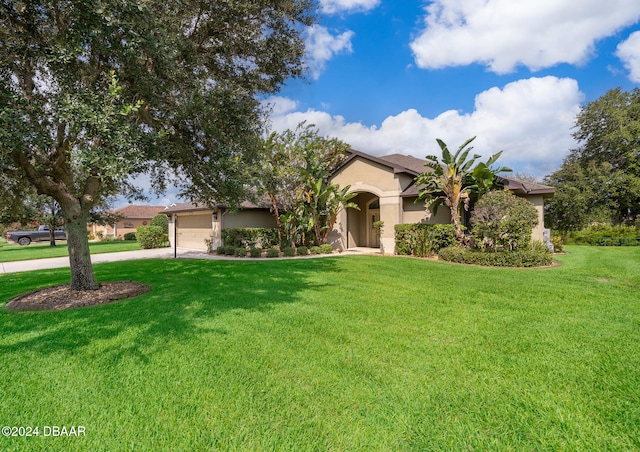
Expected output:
(139, 211)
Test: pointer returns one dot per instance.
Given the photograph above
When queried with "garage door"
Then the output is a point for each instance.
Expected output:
(193, 230)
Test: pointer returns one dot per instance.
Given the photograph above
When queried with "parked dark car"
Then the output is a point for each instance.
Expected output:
(41, 235)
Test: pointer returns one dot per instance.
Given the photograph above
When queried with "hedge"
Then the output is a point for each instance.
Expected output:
(522, 258)
(423, 239)
(250, 237)
(605, 235)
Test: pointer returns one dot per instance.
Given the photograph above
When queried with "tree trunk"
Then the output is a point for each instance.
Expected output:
(52, 225)
(82, 276)
(276, 212)
(455, 217)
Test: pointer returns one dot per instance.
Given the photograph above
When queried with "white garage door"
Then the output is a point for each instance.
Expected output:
(193, 230)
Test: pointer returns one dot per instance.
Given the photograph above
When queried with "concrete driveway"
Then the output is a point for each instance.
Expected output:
(61, 262)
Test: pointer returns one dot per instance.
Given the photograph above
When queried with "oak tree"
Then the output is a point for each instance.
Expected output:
(93, 93)
(599, 181)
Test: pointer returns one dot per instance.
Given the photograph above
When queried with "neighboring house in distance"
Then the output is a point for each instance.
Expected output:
(132, 216)
(386, 192)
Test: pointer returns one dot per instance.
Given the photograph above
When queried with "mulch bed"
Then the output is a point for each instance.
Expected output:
(62, 297)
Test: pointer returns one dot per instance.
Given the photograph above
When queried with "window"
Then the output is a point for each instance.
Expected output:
(128, 224)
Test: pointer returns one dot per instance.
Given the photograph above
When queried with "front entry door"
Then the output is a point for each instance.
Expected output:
(374, 234)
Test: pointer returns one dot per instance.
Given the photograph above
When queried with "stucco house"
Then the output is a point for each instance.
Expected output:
(131, 217)
(386, 192)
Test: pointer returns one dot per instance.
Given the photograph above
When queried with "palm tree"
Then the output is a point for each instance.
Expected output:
(453, 180)
(323, 202)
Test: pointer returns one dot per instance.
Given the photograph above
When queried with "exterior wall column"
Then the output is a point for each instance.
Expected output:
(172, 223)
(216, 229)
(390, 215)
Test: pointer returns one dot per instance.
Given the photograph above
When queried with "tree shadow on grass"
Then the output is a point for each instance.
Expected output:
(185, 294)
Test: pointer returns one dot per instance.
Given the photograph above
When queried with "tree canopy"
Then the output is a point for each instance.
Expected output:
(600, 180)
(93, 93)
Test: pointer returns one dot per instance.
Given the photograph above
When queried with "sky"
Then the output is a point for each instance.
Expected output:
(391, 76)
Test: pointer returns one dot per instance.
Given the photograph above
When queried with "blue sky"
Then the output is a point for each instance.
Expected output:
(391, 76)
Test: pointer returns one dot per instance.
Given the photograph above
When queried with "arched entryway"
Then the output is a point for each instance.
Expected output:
(361, 230)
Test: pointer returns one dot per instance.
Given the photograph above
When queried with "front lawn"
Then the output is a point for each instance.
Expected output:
(13, 252)
(339, 353)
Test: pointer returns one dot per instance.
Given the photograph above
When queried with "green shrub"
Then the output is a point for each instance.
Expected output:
(326, 249)
(240, 252)
(503, 221)
(273, 252)
(220, 250)
(605, 235)
(162, 221)
(255, 252)
(423, 239)
(289, 251)
(229, 250)
(316, 250)
(130, 236)
(250, 237)
(520, 258)
(150, 236)
(538, 246)
(558, 243)
(302, 250)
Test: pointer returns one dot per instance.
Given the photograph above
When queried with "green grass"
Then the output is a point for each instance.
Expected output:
(339, 353)
(42, 250)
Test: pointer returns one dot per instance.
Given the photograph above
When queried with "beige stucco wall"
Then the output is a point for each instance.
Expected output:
(538, 203)
(248, 219)
(417, 212)
(360, 174)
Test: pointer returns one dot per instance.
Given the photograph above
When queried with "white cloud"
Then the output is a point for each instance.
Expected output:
(629, 52)
(530, 120)
(503, 34)
(335, 6)
(321, 46)
(281, 105)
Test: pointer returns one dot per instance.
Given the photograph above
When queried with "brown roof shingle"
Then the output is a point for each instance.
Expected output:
(414, 166)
